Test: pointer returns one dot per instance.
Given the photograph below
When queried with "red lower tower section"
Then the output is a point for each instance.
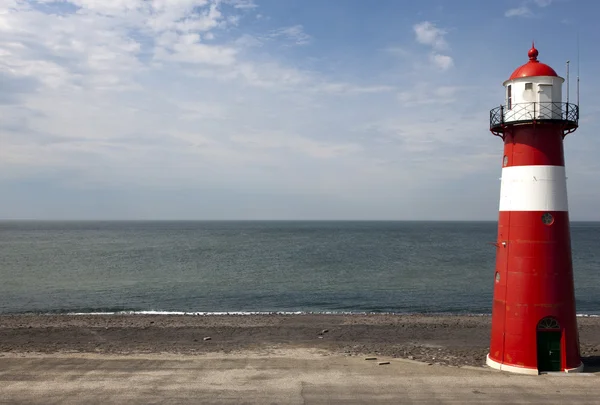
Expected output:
(534, 295)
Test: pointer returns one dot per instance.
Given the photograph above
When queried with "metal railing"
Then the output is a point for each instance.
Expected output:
(565, 113)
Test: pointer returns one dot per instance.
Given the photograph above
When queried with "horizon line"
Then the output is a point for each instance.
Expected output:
(258, 220)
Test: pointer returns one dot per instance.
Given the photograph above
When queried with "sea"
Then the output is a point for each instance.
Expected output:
(216, 267)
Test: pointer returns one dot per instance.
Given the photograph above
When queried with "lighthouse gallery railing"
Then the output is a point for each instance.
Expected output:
(566, 113)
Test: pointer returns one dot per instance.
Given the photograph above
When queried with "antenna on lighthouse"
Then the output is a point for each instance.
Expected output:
(568, 82)
(577, 69)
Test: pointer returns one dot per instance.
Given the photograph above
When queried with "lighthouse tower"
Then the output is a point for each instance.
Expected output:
(534, 328)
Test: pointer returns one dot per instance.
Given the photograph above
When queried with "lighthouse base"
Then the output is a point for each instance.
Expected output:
(524, 370)
(512, 369)
(578, 369)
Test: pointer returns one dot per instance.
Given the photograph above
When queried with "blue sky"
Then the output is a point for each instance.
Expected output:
(278, 109)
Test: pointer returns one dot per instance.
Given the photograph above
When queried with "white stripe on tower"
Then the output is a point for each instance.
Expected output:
(533, 188)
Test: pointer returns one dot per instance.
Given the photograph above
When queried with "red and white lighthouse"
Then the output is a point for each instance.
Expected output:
(534, 325)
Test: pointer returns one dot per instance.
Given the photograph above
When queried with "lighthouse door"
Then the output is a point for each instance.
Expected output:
(548, 350)
(548, 344)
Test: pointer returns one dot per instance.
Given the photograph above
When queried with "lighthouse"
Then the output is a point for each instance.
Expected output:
(534, 324)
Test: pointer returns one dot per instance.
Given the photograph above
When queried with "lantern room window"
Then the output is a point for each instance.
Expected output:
(509, 97)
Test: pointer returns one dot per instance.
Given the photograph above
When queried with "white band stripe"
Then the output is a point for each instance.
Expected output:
(533, 188)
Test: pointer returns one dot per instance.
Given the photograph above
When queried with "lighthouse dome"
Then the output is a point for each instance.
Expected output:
(533, 67)
(534, 93)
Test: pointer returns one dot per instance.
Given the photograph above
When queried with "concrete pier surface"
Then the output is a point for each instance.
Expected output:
(273, 376)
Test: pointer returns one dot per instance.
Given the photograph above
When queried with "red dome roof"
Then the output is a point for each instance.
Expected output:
(533, 67)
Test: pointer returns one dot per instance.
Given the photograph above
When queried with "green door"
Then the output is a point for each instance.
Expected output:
(548, 350)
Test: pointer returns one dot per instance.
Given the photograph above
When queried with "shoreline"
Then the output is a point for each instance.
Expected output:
(451, 340)
(257, 313)
(248, 313)
(260, 313)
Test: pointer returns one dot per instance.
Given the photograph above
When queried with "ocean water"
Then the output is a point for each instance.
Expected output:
(215, 267)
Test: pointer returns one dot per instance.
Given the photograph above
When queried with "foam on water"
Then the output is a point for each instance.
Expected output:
(249, 313)
(192, 313)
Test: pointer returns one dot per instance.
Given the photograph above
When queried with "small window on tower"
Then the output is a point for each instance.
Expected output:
(509, 97)
(528, 86)
(547, 218)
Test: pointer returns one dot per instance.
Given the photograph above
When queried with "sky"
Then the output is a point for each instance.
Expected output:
(277, 109)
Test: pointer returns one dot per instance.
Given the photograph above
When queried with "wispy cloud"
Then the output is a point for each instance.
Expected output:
(204, 96)
(525, 9)
(397, 51)
(294, 33)
(190, 100)
(424, 93)
(427, 33)
(444, 62)
(242, 4)
(522, 11)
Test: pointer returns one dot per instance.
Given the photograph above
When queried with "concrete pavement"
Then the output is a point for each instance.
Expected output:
(290, 376)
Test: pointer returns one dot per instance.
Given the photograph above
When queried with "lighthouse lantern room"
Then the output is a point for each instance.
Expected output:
(534, 324)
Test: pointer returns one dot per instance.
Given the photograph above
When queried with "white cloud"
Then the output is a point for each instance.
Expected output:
(522, 11)
(296, 144)
(398, 51)
(525, 9)
(428, 93)
(248, 41)
(444, 62)
(155, 57)
(242, 4)
(428, 34)
(189, 49)
(270, 75)
(171, 95)
(346, 88)
(294, 33)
